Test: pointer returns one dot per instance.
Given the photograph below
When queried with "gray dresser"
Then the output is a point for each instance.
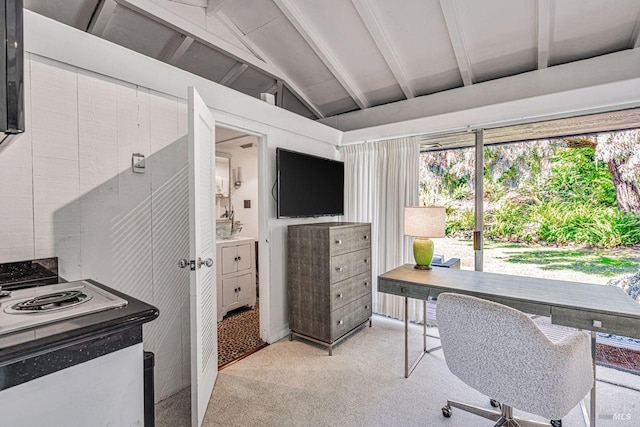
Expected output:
(329, 280)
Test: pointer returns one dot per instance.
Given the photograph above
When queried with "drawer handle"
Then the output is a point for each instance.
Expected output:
(366, 260)
(239, 289)
(366, 237)
(339, 295)
(235, 290)
(339, 269)
(366, 307)
(366, 283)
(340, 322)
(338, 242)
(236, 259)
(239, 258)
(403, 290)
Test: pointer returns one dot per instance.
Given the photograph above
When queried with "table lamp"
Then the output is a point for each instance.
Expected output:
(424, 222)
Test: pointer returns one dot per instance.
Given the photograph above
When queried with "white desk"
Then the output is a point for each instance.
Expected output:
(591, 307)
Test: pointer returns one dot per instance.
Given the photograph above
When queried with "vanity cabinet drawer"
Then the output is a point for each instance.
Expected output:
(605, 323)
(350, 239)
(349, 316)
(350, 264)
(351, 289)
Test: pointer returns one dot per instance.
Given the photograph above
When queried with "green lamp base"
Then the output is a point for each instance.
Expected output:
(423, 253)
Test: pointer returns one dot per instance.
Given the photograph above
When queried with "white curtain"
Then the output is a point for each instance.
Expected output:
(381, 178)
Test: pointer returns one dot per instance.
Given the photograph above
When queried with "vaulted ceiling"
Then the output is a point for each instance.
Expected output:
(322, 58)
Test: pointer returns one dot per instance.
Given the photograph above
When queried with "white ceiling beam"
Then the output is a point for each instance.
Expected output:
(635, 36)
(233, 74)
(370, 20)
(249, 44)
(101, 16)
(159, 14)
(296, 18)
(213, 6)
(176, 47)
(544, 32)
(272, 89)
(240, 36)
(450, 12)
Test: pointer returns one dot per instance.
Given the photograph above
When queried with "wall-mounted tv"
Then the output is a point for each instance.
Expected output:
(309, 185)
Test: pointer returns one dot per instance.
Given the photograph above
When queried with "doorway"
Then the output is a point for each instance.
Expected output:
(237, 237)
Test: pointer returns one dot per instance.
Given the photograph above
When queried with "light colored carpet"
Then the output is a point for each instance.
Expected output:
(294, 383)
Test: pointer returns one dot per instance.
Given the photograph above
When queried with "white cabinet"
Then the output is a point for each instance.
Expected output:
(236, 276)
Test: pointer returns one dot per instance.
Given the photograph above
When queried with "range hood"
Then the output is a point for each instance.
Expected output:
(11, 68)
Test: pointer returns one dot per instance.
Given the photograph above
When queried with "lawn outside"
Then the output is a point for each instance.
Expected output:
(561, 263)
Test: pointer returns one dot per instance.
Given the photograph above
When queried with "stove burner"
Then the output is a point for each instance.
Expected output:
(50, 302)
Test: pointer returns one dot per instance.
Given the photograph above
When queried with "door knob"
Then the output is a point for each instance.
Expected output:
(208, 262)
(183, 263)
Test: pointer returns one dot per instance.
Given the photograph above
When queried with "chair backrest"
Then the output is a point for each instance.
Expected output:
(502, 353)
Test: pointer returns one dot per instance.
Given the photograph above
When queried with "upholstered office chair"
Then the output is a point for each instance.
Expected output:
(501, 352)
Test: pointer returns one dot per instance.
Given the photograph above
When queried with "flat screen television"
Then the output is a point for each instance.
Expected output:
(309, 186)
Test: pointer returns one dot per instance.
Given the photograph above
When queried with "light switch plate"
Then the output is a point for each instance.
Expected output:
(137, 163)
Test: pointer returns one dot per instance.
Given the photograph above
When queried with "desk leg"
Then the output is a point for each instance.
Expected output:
(409, 369)
(592, 412)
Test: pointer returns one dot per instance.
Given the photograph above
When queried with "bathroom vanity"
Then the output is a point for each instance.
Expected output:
(236, 274)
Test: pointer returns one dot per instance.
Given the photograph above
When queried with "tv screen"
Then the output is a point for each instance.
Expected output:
(309, 185)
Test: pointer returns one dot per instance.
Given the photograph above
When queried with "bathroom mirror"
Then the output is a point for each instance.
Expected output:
(223, 182)
(223, 175)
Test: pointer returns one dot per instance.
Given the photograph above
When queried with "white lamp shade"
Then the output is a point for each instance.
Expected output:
(424, 221)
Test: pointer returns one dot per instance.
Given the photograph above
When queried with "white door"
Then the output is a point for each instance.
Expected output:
(202, 242)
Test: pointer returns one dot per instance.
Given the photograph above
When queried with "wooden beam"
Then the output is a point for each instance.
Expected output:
(457, 40)
(293, 14)
(101, 16)
(213, 6)
(255, 49)
(176, 47)
(368, 16)
(233, 74)
(544, 32)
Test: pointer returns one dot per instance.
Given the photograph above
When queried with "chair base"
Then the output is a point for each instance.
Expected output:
(504, 418)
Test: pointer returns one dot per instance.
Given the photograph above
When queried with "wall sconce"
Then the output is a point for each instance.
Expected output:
(237, 177)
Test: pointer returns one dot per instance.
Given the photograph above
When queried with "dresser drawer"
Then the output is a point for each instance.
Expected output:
(349, 239)
(349, 290)
(349, 265)
(588, 320)
(349, 316)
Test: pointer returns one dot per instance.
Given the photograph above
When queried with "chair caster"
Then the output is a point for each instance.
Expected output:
(556, 423)
(494, 403)
(446, 411)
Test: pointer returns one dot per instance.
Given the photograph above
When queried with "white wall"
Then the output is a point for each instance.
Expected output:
(67, 188)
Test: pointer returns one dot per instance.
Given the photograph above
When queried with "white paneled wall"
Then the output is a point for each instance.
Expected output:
(68, 191)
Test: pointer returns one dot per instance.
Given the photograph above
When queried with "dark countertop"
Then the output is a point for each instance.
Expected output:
(29, 343)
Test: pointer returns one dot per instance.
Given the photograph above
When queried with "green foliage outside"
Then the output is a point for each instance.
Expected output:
(535, 192)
